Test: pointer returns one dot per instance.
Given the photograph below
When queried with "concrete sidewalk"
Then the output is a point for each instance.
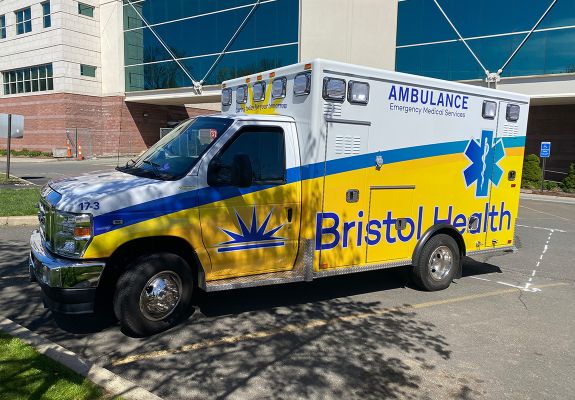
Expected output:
(25, 220)
(27, 159)
(548, 198)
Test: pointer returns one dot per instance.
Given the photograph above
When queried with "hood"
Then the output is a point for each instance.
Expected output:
(95, 186)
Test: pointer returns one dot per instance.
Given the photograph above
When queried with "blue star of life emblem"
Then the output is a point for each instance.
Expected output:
(254, 237)
(484, 155)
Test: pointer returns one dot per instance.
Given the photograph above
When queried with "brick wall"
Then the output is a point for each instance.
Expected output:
(112, 123)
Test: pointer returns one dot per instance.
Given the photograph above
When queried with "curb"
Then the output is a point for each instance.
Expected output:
(102, 377)
(14, 159)
(26, 220)
(547, 198)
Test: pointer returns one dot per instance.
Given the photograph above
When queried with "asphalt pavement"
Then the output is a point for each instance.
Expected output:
(39, 171)
(504, 331)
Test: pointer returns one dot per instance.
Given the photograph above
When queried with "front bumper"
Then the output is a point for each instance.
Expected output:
(68, 286)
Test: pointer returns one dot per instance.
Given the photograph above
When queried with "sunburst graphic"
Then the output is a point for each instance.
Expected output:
(254, 237)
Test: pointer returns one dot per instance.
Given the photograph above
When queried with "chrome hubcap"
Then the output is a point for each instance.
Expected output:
(160, 295)
(440, 263)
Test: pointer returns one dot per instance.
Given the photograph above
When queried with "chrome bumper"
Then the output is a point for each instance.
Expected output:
(56, 272)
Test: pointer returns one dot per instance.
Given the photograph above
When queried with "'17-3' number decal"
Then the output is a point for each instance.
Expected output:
(86, 205)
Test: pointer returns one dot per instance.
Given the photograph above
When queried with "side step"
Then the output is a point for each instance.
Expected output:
(273, 278)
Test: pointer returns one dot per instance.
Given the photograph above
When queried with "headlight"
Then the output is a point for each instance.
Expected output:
(72, 233)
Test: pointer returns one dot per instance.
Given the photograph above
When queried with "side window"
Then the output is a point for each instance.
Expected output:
(266, 150)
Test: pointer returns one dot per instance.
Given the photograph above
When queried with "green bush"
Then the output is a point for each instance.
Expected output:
(532, 174)
(25, 153)
(569, 181)
(551, 185)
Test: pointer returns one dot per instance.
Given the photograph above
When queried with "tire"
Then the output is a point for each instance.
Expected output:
(153, 294)
(437, 264)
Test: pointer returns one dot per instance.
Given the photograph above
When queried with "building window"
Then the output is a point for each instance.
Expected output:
(23, 21)
(86, 10)
(2, 27)
(87, 70)
(46, 14)
(30, 79)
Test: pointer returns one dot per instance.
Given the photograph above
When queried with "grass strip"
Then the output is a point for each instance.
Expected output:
(27, 374)
(25, 153)
(19, 201)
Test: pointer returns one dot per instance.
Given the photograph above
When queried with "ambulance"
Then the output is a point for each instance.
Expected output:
(311, 170)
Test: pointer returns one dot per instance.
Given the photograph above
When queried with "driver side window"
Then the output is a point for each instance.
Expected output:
(266, 150)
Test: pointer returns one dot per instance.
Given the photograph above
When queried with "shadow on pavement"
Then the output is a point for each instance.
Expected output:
(473, 267)
(292, 341)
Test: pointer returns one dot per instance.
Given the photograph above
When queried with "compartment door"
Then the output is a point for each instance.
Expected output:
(345, 199)
(391, 225)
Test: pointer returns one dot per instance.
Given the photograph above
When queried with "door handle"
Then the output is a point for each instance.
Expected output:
(289, 214)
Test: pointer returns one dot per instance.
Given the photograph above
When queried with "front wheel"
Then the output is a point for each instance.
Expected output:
(153, 294)
(437, 264)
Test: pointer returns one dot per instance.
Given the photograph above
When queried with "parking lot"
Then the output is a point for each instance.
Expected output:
(505, 330)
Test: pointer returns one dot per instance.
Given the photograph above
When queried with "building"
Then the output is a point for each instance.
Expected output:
(542, 67)
(113, 72)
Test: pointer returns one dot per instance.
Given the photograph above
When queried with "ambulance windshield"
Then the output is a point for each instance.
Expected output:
(175, 154)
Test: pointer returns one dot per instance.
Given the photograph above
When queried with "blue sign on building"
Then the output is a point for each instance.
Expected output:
(545, 151)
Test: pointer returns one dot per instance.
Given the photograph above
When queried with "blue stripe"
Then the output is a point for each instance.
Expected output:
(250, 246)
(182, 201)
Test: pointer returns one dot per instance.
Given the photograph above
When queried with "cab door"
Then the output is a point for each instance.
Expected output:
(253, 229)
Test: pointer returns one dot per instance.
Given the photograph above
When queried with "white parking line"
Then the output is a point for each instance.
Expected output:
(540, 227)
(524, 288)
(545, 248)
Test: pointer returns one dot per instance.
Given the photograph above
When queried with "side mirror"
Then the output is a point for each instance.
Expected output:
(242, 172)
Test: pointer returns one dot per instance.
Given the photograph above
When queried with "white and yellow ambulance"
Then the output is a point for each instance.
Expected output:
(311, 170)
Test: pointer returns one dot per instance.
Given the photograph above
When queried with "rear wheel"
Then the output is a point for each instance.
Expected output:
(153, 294)
(437, 264)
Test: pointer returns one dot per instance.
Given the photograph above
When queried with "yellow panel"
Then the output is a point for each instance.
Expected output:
(349, 249)
(386, 205)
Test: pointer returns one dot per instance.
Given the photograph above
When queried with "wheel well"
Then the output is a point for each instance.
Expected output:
(436, 230)
(127, 252)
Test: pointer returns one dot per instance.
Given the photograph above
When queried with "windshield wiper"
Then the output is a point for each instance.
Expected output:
(129, 164)
(154, 167)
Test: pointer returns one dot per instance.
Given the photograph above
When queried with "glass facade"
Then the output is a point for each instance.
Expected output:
(196, 32)
(427, 45)
(23, 21)
(31, 79)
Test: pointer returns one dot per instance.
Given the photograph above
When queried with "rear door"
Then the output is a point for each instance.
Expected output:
(505, 161)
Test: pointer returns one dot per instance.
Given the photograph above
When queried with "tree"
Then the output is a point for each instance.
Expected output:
(569, 181)
(532, 175)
